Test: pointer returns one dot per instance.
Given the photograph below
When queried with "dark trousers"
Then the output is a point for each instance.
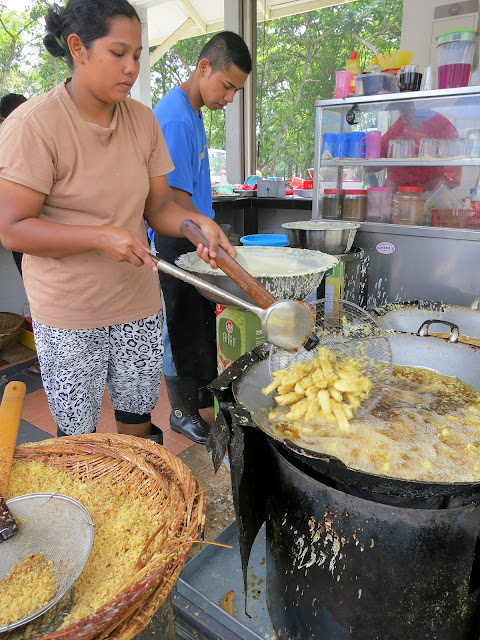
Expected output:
(190, 318)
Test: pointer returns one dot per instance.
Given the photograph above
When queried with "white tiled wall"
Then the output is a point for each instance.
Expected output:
(12, 293)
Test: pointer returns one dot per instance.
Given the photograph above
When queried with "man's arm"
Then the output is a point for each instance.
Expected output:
(183, 199)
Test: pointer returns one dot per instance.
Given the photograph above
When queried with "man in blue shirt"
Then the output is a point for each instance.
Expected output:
(189, 319)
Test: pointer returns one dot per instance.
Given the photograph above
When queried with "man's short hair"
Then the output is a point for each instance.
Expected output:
(224, 49)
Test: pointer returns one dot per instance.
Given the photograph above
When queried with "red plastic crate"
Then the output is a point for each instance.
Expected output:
(456, 218)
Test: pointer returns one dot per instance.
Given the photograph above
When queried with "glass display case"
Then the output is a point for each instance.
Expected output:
(410, 158)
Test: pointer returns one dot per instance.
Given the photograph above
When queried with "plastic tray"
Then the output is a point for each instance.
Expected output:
(216, 570)
(456, 218)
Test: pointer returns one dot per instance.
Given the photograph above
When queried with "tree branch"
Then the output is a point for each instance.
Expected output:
(366, 43)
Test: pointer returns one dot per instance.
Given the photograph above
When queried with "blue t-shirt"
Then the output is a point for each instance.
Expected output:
(186, 140)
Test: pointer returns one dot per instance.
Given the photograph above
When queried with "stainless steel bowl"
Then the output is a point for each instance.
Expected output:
(330, 237)
(298, 273)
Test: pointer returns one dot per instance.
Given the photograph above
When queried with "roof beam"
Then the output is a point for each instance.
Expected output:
(192, 30)
(263, 10)
(183, 31)
(196, 26)
(149, 4)
(294, 8)
(193, 13)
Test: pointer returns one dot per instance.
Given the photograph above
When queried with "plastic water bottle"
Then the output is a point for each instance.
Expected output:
(353, 65)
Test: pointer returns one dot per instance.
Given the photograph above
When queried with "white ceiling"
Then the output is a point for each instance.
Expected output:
(172, 20)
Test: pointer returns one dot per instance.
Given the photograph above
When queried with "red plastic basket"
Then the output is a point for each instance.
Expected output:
(456, 218)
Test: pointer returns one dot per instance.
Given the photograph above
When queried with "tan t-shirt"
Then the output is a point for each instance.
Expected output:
(92, 176)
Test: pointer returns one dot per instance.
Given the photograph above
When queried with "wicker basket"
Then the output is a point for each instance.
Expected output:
(146, 469)
(10, 327)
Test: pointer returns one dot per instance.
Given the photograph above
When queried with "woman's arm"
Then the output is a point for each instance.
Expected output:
(164, 215)
(22, 229)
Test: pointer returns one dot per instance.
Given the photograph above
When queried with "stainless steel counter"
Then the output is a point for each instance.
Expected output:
(400, 263)
(418, 263)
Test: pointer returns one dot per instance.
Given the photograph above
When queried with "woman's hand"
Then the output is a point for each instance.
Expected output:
(216, 238)
(124, 246)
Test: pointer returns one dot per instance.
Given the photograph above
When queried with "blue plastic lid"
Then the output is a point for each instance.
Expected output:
(265, 240)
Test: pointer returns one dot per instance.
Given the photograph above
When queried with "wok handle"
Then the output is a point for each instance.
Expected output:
(230, 267)
(10, 410)
(454, 330)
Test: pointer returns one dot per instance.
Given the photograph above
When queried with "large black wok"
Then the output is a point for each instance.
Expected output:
(450, 359)
(423, 317)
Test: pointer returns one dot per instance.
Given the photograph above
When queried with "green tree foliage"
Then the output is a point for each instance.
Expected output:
(25, 65)
(297, 60)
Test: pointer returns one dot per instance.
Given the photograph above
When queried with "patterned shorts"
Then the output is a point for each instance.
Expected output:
(76, 364)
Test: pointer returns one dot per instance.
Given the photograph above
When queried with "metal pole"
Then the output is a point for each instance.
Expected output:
(241, 17)
(141, 90)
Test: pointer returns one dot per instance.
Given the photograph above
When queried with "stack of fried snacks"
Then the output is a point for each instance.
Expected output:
(324, 389)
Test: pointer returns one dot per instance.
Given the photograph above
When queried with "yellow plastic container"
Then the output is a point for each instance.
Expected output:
(26, 338)
(352, 65)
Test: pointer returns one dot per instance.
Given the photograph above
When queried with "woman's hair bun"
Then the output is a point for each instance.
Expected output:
(54, 41)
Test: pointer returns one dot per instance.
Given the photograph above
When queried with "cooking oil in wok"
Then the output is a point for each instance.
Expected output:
(426, 428)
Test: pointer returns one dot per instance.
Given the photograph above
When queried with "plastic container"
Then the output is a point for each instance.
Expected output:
(368, 84)
(373, 67)
(379, 204)
(455, 57)
(342, 83)
(456, 218)
(355, 205)
(373, 144)
(353, 65)
(265, 240)
(409, 206)
(332, 207)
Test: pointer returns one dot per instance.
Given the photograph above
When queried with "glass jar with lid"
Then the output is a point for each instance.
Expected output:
(409, 206)
(355, 205)
(332, 208)
(379, 204)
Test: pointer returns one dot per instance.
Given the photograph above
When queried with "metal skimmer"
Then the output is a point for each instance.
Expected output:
(55, 525)
(349, 332)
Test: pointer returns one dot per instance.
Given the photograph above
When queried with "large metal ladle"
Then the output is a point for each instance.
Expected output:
(287, 324)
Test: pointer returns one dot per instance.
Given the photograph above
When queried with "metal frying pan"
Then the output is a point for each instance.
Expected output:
(54, 525)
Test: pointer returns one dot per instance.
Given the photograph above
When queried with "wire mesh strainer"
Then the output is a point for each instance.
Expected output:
(55, 525)
(349, 332)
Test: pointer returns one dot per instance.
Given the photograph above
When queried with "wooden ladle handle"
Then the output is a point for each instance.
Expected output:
(10, 410)
(230, 267)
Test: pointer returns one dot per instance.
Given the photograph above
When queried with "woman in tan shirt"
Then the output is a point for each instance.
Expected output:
(81, 169)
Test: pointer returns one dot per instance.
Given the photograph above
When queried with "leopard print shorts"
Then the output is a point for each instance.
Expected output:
(76, 364)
